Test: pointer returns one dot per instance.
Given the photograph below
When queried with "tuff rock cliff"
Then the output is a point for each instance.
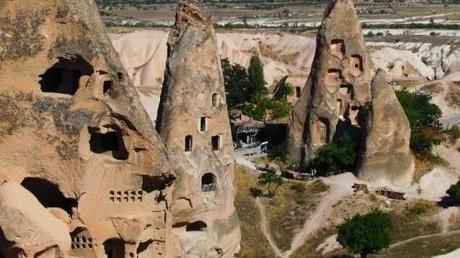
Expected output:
(193, 122)
(83, 172)
(337, 99)
(387, 156)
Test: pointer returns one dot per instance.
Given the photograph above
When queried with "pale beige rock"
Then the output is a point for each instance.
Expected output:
(338, 87)
(387, 159)
(74, 133)
(337, 98)
(27, 227)
(193, 122)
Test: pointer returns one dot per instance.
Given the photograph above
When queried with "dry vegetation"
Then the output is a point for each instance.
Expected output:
(408, 83)
(422, 167)
(453, 96)
(290, 208)
(414, 218)
(423, 248)
(253, 242)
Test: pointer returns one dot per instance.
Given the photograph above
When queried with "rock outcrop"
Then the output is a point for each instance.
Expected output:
(337, 98)
(387, 157)
(74, 134)
(338, 88)
(193, 122)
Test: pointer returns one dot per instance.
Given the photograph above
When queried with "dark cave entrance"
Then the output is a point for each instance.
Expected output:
(48, 194)
(114, 248)
(64, 76)
(196, 226)
(111, 141)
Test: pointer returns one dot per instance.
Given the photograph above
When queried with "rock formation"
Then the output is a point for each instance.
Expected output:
(193, 122)
(339, 84)
(387, 157)
(337, 97)
(74, 134)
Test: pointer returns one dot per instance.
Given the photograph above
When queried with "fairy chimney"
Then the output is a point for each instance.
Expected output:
(83, 172)
(193, 122)
(338, 101)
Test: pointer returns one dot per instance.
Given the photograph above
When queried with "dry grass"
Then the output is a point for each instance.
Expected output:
(309, 249)
(408, 83)
(453, 96)
(422, 167)
(423, 248)
(253, 242)
(414, 218)
(289, 209)
(454, 222)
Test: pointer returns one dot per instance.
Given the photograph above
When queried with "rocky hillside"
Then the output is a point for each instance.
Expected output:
(143, 53)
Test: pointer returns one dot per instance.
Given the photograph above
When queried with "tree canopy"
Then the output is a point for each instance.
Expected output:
(366, 234)
(335, 157)
(418, 108)
(271, 180)
(256, 78)
(422, 114)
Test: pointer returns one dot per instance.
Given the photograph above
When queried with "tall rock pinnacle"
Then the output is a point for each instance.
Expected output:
(193, 122)
(83, 172)
(338, 87)
(337, 98)
(387, 157)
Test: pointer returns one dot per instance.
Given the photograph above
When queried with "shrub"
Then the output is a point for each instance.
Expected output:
(454, 192)
(366, 234)
(277, 152)
(335, 157)
(271, 180)
(422, 145)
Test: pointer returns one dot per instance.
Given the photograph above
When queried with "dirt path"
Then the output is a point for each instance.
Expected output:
(340, 186)
(424, 237)
(265, 228)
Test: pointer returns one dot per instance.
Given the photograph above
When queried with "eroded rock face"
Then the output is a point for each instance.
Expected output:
(193, 122)
(387, 158)
(75, 135)
(338, 88)
(337, 101)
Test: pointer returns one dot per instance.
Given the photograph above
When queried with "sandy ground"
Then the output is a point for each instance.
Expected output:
(265, 228)
(339, 187)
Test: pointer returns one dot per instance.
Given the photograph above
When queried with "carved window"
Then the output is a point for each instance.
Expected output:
(216, 144)
(188, 143)
(356, 65)
(215, 99)
(196, 226)
(208, 182)
(298, 90)
(338, 47)
(203, 124)
(111, 141)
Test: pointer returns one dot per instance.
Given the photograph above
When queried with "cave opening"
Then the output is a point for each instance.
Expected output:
(114, 248)
(64, 76)
(196, 226)
(111, 141)
(208, 182)
(48, 194)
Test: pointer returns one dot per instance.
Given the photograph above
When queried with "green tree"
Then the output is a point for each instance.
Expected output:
(365, 234)
(418, 108)
(335, 157)
(236, 83)
(283, 90)
(422, 114)
(454, 192)
(271, 180)
(280, 109)
(256, 78)
(422, 145)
